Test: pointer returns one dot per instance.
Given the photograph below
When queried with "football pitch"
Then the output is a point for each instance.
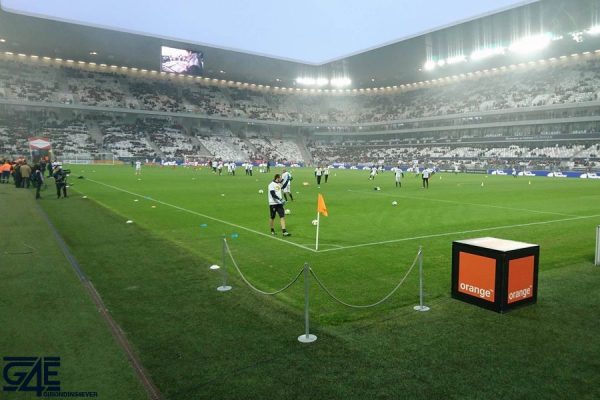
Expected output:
(154, 276)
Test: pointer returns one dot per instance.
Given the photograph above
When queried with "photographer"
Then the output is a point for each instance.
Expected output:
(60, 179)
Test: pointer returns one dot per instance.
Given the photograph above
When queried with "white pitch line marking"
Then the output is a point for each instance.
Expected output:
(463, 203)
(202, 215)
(460, 232)
(352, 246)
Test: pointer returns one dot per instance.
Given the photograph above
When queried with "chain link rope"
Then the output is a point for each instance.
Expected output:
(254, 287)
(367, 305)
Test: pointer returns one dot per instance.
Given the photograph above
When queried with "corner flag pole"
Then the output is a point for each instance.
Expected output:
(318, 223)
(321, 209)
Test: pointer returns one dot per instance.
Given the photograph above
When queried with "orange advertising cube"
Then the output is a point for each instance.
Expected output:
(496, 274)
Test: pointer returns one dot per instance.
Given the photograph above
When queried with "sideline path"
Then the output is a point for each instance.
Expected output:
(46, 310)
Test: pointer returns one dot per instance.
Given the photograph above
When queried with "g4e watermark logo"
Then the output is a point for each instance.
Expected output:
(31, 374)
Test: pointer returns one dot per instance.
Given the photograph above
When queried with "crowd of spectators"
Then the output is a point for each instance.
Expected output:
(553, 83)
(150, 137)
(392, 152)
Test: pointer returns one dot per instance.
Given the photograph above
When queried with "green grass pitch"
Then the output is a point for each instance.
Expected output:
(199, 343)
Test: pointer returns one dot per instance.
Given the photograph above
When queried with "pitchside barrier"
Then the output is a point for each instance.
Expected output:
(307, 271)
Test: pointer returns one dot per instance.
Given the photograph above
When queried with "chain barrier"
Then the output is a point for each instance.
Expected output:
(368, 305)
(254, 287)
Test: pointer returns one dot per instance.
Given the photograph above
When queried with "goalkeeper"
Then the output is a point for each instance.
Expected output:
(276, 203)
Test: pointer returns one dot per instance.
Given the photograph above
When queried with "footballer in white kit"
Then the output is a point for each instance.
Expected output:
(286, 181)
(373, 173)
(138, 167)
(276, 203)
(398, 174)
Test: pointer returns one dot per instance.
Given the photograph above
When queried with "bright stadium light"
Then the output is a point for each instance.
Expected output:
(486, 52)
(594, 30)
(441, 63)
(456, 60)
(318, 82)
(429, 65)
(306, 81)
(341, 82)
(530, 44)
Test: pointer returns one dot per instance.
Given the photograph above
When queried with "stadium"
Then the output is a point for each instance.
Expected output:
(138, 260)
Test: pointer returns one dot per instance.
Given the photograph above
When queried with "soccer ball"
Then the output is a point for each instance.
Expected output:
(315, 222)
(288, 211)
(394, 203)
(260, 191)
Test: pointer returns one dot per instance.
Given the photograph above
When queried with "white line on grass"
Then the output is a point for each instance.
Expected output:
(202, 215)
(463, 203)
(352, 246)
(459, 233)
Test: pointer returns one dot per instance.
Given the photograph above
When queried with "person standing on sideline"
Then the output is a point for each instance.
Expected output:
(25, 174)
(138, 167)
(326, 173)
(38, 179)
(286, 180)
(318, 174)
(425, 176)
(276, 203)
(60, 179)
(5, 168)
(398, 174)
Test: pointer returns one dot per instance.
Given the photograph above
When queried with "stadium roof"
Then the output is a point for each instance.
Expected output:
(309, 31)
(391, 64)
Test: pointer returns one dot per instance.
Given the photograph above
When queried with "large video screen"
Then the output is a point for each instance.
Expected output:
(181, 61)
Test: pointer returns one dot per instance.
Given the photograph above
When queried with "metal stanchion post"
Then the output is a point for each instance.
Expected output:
(421, 307)
(224, 287)
(597, 260)
(306, 337)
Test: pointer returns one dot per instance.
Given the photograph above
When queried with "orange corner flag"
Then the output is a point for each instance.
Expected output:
(321, 207)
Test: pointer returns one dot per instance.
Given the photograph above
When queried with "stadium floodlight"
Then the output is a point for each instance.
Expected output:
(312, 81)
(341, 82)
(531, 44)
(429, 65)
(594, 30)
(487, 52)
(306, 81)
(441, 63)
(456, 60)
